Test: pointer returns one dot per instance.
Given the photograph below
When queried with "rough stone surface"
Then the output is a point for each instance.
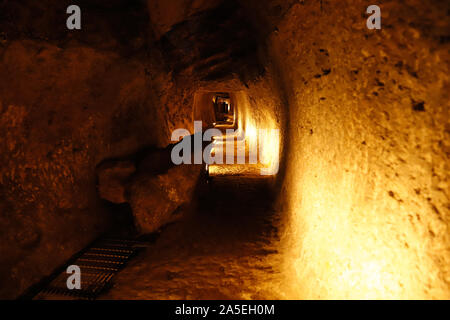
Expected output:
(155, 199)
(68, 101)
(365, 186)
(112, 179)
(367, 175)
(226, 249)
(165, 14)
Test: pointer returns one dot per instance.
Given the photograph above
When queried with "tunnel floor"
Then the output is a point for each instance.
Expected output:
(225, 249)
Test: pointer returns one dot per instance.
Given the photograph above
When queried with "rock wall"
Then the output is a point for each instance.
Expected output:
(362, 114)
(367, 176)
(68, 101)
(262, 116)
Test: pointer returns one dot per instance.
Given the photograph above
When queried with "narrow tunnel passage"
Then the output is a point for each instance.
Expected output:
(260, 149)
(227, 249)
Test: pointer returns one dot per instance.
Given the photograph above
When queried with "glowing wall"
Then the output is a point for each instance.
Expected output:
(260, 116)
(366, 188)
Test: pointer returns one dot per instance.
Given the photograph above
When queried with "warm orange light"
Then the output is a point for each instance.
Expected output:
(264, 141)
(341, 246)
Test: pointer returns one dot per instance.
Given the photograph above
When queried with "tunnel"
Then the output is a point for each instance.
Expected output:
(224, 149)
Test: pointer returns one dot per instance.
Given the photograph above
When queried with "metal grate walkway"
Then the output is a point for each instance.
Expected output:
(98, 264)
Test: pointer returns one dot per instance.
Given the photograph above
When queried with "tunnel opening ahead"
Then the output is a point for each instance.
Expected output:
(224, 110)
(214, 109)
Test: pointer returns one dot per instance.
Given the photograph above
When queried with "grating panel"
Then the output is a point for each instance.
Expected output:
(98, 264)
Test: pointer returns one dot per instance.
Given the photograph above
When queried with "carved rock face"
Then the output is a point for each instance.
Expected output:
(112, 177)
(154, 199)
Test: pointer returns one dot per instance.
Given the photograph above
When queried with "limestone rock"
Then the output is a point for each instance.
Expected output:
(154, 199)
(112, 177)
